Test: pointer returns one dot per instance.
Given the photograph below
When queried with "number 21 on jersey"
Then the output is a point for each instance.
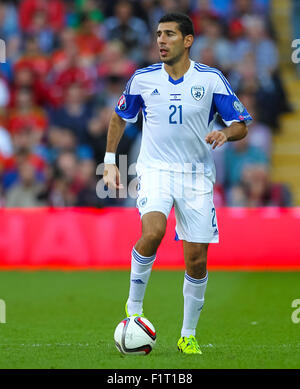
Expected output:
(175, 114)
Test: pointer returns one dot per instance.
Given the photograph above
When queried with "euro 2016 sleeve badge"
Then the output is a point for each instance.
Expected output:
(197, 92)
(122, 103)
(238, 106)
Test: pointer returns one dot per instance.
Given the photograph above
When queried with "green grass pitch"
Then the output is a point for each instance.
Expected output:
(67, 319)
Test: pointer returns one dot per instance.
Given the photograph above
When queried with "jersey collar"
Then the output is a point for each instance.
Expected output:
(180, 80)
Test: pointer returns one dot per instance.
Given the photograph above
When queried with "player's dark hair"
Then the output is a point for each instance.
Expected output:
(185, 25)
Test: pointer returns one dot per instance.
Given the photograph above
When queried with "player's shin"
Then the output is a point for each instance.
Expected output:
(193, 293)
(139, 276)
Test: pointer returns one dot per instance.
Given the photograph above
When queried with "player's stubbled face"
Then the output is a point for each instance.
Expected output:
(170, 42)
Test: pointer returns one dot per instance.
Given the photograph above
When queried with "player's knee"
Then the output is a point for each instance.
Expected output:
(155, 235)
(199, 262)
(196, 266)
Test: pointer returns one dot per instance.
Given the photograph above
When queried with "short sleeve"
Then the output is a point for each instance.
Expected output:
(227, 104)
(130, 102)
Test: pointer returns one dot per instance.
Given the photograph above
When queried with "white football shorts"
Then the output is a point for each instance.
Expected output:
(192, 197)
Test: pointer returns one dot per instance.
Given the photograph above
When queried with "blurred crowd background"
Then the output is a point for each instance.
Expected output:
(67, 64)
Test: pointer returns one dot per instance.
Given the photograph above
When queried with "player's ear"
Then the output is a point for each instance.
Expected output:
(188, 41)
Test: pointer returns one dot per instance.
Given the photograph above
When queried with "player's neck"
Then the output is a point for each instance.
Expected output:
(178, 69)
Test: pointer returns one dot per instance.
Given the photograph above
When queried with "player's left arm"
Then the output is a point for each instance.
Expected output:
(236, 131)
(232, 112)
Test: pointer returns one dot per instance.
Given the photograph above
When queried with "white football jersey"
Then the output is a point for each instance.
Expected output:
(178, 114)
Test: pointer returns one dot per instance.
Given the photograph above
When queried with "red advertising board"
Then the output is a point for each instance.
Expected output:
(79, 238)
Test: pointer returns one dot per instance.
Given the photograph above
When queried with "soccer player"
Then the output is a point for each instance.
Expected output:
(179, 99)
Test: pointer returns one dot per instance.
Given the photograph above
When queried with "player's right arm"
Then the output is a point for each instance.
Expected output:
(111, 175)
(126, 110)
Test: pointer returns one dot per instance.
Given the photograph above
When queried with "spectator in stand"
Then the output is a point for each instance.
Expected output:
(67, 48)
(130, 30)
(34, 58)
(208, 58)
(87, 39)
(257, 41)
(62, 184)
(76, 56)
(243, 75)
(257, 190)
(114, 62)
(9, 24)
(151, 12)
(237, 156)
(256, 44)
(68, 69)
(259, 135)
(220, 7)
(112, 89)
(67, 164)
(26, 115)
(57, 192)
(58, 140)
(73, 116)
(212, 38)
(92, 8)
(55, 10)
(31, 71)
(97, 129)
(43, 33)
(26, 191)
(27, 124)
(174, 6)
(239, 9)
(87, 196)
(24, 144)
(202, 13)
(24, 77)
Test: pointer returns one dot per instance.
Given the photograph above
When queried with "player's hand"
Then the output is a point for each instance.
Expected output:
(216, 138)
(111, 177)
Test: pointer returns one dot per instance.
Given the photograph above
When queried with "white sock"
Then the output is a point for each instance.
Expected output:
(140, 272)
(193, 293)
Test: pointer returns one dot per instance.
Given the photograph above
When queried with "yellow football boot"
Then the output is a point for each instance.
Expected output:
(188, 345)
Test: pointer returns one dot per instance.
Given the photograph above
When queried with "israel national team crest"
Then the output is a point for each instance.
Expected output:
(122, 103)
(238, 106)
(197, 92)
